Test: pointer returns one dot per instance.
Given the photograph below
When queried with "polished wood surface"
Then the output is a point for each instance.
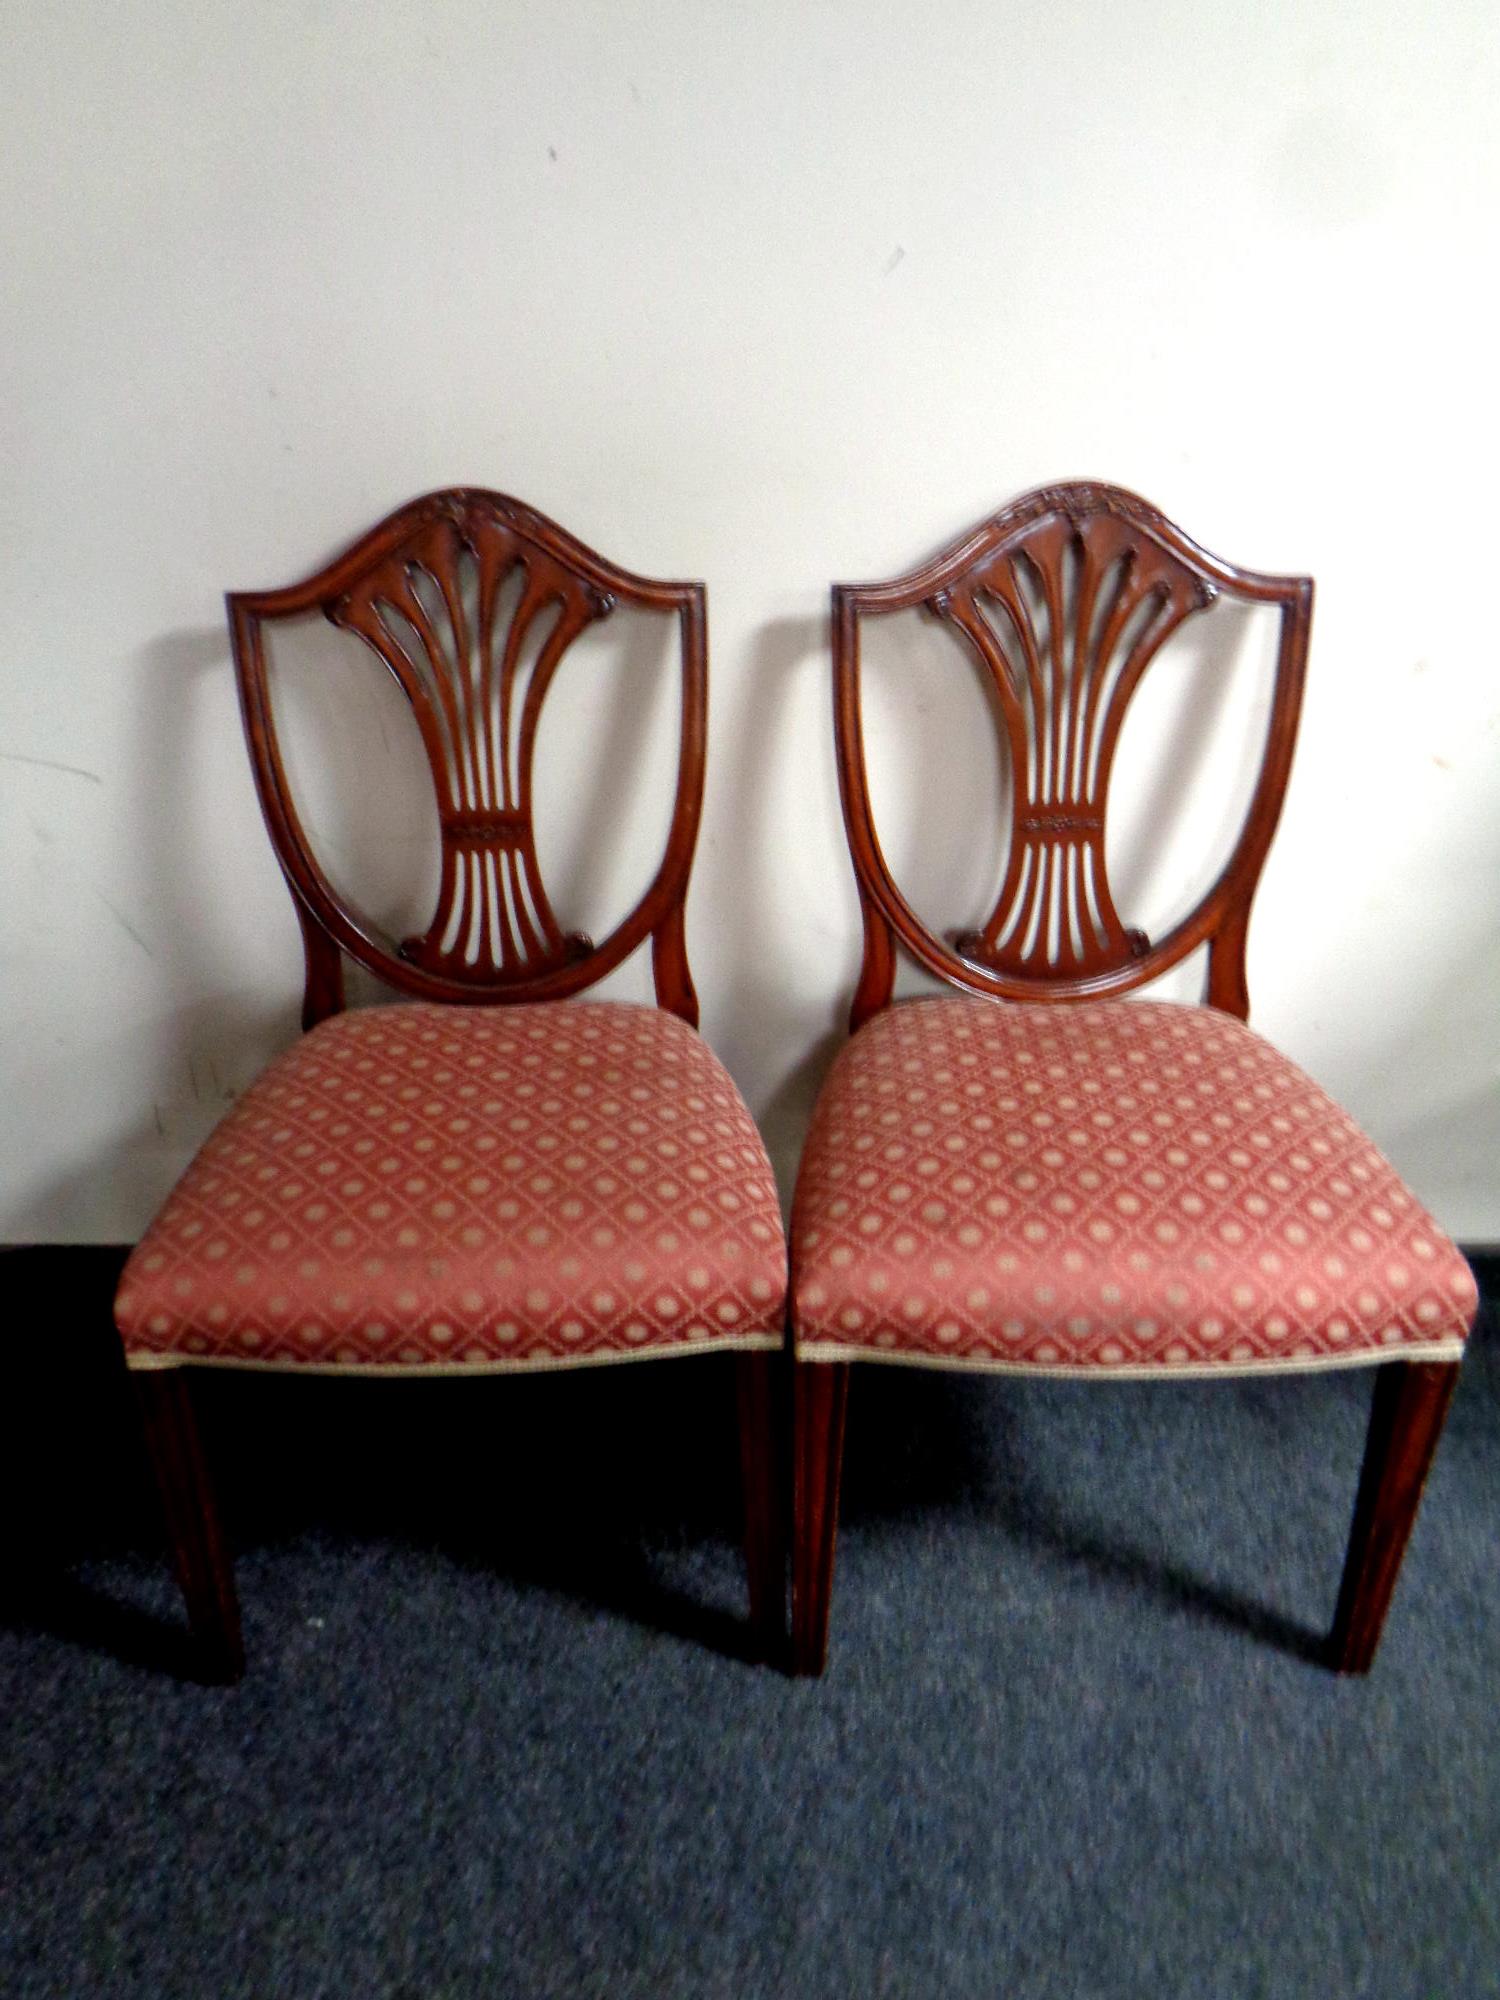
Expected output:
(1065, 598)
(1407, 1413)
(820, 1397)
(759, 1377)
(200, 1556)
(432, 591)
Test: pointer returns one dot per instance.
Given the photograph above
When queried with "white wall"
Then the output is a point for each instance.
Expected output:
(764, 294)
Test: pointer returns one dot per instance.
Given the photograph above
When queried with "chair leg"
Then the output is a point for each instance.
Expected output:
(765, 1540)
(820, 1394)
(1406, 1418)
(199, 1556)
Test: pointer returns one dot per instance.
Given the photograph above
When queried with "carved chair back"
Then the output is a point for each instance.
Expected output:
(1065, 598)
(426, 591)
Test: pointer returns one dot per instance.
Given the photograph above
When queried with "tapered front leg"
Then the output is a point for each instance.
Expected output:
(1406, 1419)
(765, 1534)
(199, 1555)
(820, 1398)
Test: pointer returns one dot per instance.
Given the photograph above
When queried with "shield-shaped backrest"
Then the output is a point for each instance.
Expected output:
(432, 591)
(1065, 598)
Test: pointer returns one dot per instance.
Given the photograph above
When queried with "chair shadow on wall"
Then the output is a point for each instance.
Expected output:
(71, 1437)
(182, 1097)
(751, 801)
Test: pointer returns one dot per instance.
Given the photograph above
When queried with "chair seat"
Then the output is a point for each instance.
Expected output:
(1131, 1187)
(426, 1187)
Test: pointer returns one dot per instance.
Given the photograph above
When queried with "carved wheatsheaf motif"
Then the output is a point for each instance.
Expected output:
(1065, 618)
(455, 614)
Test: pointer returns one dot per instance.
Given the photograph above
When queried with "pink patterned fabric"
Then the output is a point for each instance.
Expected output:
(426, 1187)
(1133, 1187)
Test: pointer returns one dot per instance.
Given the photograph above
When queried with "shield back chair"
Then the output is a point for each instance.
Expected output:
(1084, 1187)
(488, 1176)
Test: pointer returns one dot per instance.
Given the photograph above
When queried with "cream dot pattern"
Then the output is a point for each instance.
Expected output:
(1248, 1224)
(520, 1265)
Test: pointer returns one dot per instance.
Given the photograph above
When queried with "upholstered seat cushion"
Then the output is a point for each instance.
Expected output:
(424, 1187)
(1135, 1187)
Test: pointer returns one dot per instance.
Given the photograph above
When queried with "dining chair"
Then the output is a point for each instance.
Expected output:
(488, 1176)
(1090, 1186)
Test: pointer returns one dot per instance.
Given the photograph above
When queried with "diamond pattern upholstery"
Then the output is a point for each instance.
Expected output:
(1126, 1187)
(424, 1187)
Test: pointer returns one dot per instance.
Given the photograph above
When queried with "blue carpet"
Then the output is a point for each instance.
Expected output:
(497, 1737)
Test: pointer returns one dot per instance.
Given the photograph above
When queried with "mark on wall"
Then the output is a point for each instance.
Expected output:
(50, 764)
(124, 922)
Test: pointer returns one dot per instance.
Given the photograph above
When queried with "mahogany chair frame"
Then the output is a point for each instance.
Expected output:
(493, 938)
(1137, 578)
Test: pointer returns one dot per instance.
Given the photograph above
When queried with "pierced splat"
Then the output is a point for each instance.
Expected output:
(439, 614)
(1065, 597)
(470, 600)
(1065, 621)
